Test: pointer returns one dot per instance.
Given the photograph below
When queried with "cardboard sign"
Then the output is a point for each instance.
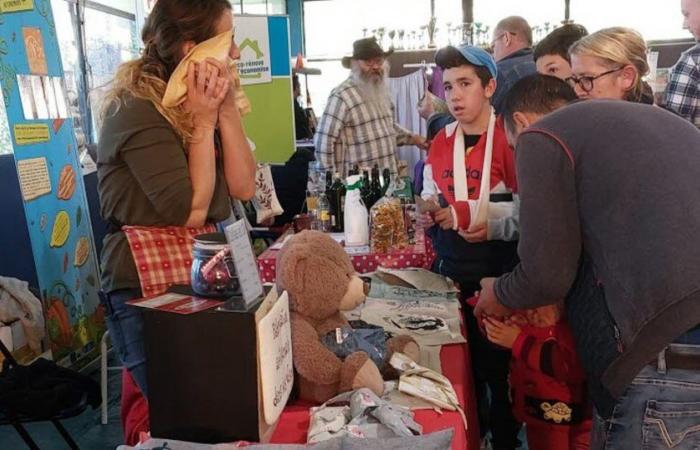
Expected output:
(276, 367)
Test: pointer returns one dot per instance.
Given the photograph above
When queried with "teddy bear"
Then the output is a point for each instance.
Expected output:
(321, 282)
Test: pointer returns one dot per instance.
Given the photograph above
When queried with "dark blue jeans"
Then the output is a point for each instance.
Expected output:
(125, 324)
(659, 410)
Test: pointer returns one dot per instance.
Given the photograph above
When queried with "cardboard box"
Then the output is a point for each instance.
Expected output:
(203, 376)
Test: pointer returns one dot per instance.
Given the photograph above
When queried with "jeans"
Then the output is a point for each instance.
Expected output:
(125, 324)
(659, 410)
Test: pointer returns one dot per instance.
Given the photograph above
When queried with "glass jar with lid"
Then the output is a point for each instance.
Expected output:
(213, 272)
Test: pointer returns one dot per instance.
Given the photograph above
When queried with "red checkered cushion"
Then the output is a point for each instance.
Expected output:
(163, 256)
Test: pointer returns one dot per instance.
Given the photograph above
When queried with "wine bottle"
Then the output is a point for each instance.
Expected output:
(365, 191)
(337, 200)
(375, 187)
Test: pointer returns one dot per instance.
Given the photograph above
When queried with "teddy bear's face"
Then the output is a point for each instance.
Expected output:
(318, 276)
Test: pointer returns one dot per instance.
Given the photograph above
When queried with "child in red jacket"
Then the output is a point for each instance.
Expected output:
(547, 381)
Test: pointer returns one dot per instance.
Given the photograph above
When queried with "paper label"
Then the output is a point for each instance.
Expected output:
(244, 261)
(338, 336)
(7, 6)
(33, 178)
(34, 45)
(31, 133)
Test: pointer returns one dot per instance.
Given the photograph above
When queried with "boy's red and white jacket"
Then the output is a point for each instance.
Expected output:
(438, 179)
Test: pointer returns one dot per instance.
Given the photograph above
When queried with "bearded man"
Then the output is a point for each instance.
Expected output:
(357, 128)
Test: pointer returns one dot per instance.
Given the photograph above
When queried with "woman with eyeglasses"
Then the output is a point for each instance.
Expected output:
(610, 64)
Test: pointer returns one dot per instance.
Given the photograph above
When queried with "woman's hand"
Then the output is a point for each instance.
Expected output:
(228, 106)
(206, 90)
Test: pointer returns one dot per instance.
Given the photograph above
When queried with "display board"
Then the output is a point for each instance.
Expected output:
(50, 178)
(266, 71)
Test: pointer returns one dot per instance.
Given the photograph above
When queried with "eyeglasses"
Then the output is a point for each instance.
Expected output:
(586, 82)
(498, 38)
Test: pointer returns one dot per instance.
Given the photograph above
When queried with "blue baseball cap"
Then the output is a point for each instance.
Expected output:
(474, 55)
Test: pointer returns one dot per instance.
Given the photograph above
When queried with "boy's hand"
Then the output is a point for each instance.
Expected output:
(477, 235)
(443, 217)
(501, 333)
(425, 220)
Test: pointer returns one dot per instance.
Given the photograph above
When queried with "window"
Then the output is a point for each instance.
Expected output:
(259, 7)
(276, 7)
(63, 13)
(255, 7)
(541, 17)
(332, 38)
(110, 40)
(5, 139)
(655, 19)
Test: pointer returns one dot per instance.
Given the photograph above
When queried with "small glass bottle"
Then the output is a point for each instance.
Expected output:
(324, 213)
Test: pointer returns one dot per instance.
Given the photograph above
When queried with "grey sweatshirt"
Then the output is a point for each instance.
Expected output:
(610, 213)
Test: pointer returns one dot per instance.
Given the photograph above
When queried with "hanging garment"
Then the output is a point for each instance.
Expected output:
(406, 91)
(437, 87)
(17, 302)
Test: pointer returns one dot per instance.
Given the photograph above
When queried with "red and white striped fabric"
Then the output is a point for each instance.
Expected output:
(163, 255)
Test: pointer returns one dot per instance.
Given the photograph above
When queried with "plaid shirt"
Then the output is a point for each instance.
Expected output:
(354, 132)
(683, 89)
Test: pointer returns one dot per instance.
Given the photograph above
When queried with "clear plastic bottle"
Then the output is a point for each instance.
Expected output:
(324, 213)
(356, 217)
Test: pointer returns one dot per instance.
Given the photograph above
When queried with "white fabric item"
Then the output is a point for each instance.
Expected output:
(480, 209)
(430, 188)
(356, 215)
(428, 322)
(406, 92)
(265, 201)
(17, 302)
(422, 279)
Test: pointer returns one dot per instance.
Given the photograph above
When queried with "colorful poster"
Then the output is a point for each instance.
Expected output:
(52, 188)
(253, 40)
(270, 125)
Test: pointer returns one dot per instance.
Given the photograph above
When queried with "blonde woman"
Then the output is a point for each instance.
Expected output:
(166, 167)
(610, 64)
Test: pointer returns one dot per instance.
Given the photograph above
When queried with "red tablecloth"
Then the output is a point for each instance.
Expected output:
(419, 255)
(456, 364)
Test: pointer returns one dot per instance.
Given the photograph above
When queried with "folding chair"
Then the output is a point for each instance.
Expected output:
(8, 417)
